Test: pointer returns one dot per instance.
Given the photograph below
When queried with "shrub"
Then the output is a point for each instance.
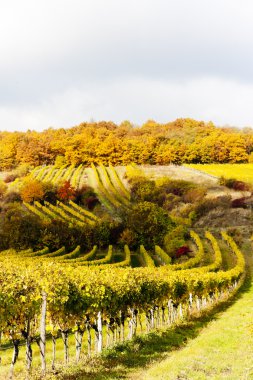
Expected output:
(10, 178)
(58, 234)
(66, 192)
(171, 201)
(175, 186)
(241, 186)
(86, 196)
(194, 195)
(175, 239)
(22, 170)
(102, 234)
(234, 184)
(143, 190)
(59, 161)
(127, 237)
(184, 250)
(239, 203)
(3, 189)
(133, 172)
(50, 192)
(149, 223)
(91, 202)
(211, 203)
(11, 197)
(19, 229)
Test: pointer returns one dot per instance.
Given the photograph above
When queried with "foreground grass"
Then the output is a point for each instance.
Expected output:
(223, 349)
(243, 172)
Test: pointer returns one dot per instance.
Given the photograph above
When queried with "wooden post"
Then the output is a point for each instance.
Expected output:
(88, 326)
(29, 353)
(53, 351)
(100, 335)
(43, 333)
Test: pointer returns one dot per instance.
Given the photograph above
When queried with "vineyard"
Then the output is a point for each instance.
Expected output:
(100, 299)
(117, 274)
(64, 173)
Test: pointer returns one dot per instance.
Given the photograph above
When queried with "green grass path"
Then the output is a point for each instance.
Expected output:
(222, 350)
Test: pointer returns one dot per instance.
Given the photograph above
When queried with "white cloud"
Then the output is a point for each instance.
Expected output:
(223, 102)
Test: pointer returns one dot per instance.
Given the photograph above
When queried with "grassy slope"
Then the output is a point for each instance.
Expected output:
(243, 172)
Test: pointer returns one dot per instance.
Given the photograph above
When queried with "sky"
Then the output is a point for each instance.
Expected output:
(63, 62)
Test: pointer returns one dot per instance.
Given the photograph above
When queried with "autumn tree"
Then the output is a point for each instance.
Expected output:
(31, 190)
(148, 223)
(66, 192)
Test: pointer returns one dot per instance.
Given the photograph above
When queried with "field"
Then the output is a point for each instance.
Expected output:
(64, 307)
(242, 172)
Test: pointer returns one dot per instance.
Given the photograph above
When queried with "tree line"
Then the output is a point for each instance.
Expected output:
(179, 141)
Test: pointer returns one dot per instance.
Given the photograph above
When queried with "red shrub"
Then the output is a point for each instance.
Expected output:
(184, 250)
(66, 192)
(239, 202)
(240, 186)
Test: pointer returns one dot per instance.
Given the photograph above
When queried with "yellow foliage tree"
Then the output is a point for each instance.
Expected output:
(32, 190)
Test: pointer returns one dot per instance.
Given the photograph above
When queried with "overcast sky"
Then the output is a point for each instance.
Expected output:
(67, 61)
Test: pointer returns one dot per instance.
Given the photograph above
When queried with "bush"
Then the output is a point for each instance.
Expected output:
(127, 237)
(19, 229)
(234, 184)
(175, 186)
(133, 172)
(211, 203)
(91, 202)
(143, 190)
(102, 234)
(194, 195)
(66, 192)
(171, 201)
(11, 197)
(58, 234)
(3, 189)
(239, 203)
(149, 223)
(10, 178)
(181, 251)
(87, 197)
(23, 170)
(175, 239)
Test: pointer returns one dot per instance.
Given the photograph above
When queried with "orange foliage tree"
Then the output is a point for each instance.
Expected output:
(32, 190)
(66, 192)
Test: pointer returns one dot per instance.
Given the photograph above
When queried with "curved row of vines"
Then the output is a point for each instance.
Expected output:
(60, 293)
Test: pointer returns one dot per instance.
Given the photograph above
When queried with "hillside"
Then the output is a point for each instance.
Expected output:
(110, 253)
